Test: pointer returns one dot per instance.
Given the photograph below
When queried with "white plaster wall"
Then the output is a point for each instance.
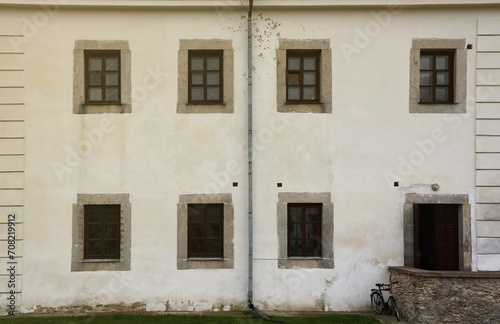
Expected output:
(155, 154)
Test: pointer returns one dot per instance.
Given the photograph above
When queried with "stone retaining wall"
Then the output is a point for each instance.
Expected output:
(452, 297)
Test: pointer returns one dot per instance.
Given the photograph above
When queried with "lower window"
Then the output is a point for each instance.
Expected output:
(205, 231)
(101, 233)
(305, 230)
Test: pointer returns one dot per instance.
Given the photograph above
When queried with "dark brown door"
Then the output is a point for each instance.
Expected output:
(436, 236)
(446, 219)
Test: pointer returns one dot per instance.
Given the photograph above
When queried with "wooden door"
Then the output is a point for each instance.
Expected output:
(446, 236)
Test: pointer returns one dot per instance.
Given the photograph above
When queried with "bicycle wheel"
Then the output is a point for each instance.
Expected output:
(377, 302)
(392, 306)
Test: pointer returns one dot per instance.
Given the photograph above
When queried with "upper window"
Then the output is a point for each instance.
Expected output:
(304, 76)
(304, 230)
(438, 80)
(436, 76)
(102, 232)
(205, 230)
(205, 77)
(102, 77)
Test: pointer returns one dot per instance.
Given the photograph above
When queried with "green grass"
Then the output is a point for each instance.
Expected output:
(187, 319)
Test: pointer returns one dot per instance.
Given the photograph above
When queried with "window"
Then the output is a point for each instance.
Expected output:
(304, 76)
(102, 77)
(305, 230)
(302, 79)
(205, 230)
(102, 232)
(205, 77)
(438, 76)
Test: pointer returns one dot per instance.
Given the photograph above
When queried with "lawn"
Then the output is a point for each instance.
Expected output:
(187, 319)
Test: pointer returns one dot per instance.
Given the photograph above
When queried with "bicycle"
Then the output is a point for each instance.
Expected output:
(378, 303)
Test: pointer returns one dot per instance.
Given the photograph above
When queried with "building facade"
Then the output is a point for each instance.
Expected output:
(124, 165)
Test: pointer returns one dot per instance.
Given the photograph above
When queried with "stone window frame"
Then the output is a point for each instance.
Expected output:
(464, 225)
(80, 106)
(183, 105)
(185, 263)
(324, 262)
(325, 103)
(460, 73)
(78, 263)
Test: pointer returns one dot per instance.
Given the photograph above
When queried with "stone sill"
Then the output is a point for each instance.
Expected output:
(446, 274)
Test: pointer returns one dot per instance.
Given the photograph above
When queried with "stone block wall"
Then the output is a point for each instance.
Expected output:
(447, 297)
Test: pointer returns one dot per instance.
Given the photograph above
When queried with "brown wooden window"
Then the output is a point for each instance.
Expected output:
(102, 232)
(102, 77)
(436, 77)
(304, 230)
(205, 230)
(302, 76)
(205, 77)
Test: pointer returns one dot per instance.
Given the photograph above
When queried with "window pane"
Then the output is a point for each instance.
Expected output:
(111, 94)
(309, 93)
(93, 218)
(295, 247)
(294, 63)
(213, 63)
(214, 230)
(309, 78)
(442, 94)
(293, 79)
(309, 63)
(197, 93)
(95, 94)
(197, 63)
(426, 78)
(425, 62)
(94, 231)
(442, 62)
(95, 64)
(95, 79)
(111, 231)
(195, 213)
(196, 230)
(111, 247)
(312, 247)
(213, 78)
(293, 93)
(213, 93)
(311, 230)
(213, 247)
(111, 64)
(196, 247)
(442, 78)
(94, 248)
(425, 94)
(312, 215)
(295, 230)
(295, 214)
(213, 214)
(112, 78)
(197, 78)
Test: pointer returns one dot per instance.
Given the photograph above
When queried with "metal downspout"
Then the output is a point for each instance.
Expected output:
(250, 157)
